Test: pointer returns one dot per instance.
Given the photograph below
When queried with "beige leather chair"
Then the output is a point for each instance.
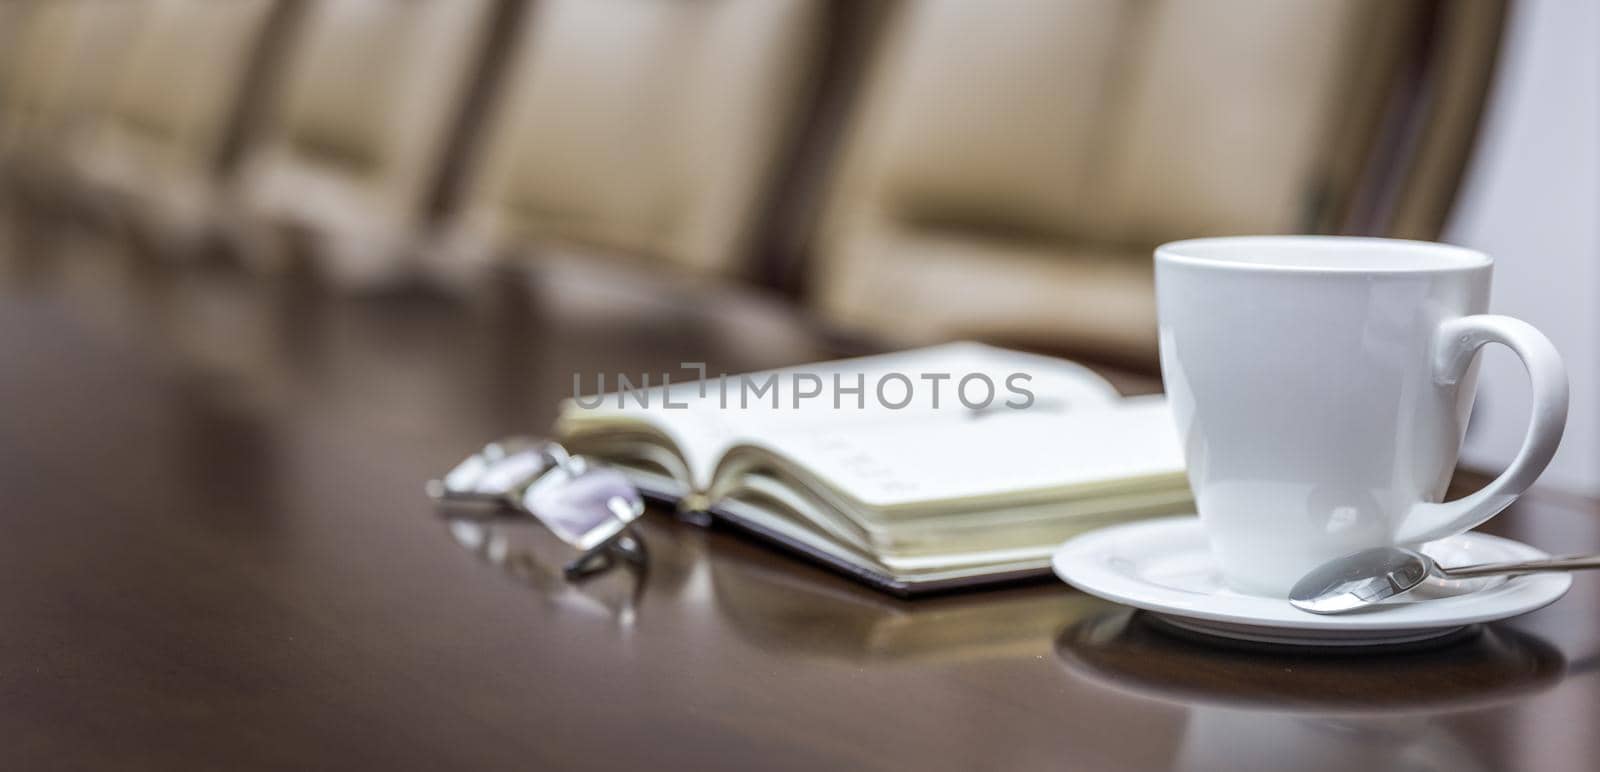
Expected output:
(156, 149)
(1013, 163)
(638, 133)
(370, 97)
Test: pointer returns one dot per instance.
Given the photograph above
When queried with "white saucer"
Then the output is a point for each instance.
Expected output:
(1164, 566)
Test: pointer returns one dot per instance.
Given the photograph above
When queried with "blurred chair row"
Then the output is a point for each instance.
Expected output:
(914, 168)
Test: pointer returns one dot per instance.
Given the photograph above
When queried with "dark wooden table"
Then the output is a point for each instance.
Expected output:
(216, 554)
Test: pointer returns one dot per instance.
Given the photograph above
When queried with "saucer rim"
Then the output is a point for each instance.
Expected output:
(1075, 563)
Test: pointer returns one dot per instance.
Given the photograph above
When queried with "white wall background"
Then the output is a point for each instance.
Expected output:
(1532, 200)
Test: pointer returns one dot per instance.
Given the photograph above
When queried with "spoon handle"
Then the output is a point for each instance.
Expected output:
(1569, 563)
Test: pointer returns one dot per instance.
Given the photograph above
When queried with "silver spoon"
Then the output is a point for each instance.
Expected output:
(1372, 576)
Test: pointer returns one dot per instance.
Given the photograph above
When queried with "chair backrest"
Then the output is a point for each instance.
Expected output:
(69, 54)
(370, 95)
(15, 16)
(644, 130)
(1013, 163)
(179, 86)
(38, 67)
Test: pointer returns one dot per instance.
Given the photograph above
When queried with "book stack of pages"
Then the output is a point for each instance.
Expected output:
(880, 468)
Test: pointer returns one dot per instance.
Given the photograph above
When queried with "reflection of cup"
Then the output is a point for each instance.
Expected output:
(1321, 387)
(1273, 708)
(1124, 650)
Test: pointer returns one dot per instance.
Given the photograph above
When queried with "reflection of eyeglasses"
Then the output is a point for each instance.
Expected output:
(526, 551)
(587, 507)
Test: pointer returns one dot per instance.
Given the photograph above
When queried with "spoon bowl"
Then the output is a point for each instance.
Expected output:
(1361, 579)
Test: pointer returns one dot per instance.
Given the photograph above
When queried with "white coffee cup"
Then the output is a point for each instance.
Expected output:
(1321, 386)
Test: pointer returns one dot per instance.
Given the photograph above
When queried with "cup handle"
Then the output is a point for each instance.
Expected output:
(1454, 346)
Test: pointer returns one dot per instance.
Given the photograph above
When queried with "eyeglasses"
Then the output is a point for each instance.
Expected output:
(588, 507)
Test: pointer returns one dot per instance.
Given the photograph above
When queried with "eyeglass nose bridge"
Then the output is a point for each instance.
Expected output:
(498, 475)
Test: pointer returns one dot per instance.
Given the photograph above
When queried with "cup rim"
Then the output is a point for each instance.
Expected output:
(1450, 258)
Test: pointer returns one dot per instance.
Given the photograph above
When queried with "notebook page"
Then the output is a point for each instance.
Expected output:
(899, 465)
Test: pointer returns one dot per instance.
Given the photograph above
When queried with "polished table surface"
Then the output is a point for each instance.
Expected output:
(217, 554)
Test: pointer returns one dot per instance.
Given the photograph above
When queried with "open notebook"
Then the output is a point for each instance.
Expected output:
(930, 494)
